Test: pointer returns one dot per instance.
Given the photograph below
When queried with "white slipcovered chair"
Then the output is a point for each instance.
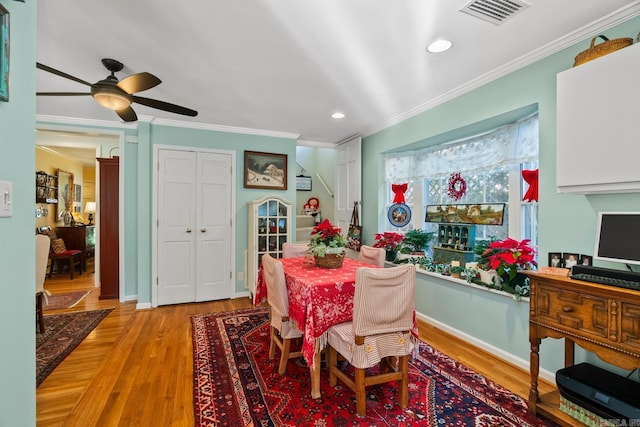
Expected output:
(380, 333)
(371, 255)
(292, 250)
(282, 331)
(42, 258)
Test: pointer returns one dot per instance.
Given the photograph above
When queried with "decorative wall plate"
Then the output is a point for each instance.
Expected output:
(399, 214)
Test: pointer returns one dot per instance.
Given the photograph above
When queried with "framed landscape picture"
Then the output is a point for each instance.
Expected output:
(4, 54)
(265, 170)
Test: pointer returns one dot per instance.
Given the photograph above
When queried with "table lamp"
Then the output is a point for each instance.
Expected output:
(90, 208)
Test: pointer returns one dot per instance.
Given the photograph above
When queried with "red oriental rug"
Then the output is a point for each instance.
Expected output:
(66, 300)
(62, 333)
(235, 384)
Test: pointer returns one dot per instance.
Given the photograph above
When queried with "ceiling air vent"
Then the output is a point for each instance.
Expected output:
(494, 11)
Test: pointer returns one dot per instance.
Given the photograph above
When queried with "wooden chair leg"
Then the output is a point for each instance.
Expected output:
(361, 394)
(39, 312)
(72, 266)
(332, 364)
(272, 344)
(403, 384)
(284, 355)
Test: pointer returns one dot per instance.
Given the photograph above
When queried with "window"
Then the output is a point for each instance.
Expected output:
(491, 165)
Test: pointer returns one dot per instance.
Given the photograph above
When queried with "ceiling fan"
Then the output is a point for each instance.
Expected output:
(118, 95)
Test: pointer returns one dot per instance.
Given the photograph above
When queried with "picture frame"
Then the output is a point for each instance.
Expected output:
(303, 183)
(466, 213)
(585, 259)
(65, 194)
(570, 259)
(265, 170)
(556, 260)
(77, 198)
(4, 54)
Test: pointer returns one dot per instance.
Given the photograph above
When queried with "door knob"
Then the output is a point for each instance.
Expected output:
(188, 230)
(203, 229)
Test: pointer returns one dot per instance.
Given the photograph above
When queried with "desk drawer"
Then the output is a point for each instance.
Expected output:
(630, 326)
(572, 311)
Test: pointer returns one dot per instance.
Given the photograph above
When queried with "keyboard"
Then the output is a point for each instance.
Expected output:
(604, 280)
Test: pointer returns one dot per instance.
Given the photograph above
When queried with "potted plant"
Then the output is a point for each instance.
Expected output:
(389, 241)
(416, 241)
(507, 258)
(456, 271)
(327, 245)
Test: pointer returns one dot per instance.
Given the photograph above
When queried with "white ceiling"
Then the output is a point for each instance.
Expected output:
(286, 65)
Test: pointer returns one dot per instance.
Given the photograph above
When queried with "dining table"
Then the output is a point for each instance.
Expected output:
(319, 298)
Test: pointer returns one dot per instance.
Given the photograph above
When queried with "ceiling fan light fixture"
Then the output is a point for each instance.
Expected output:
(439, 46)
(112, 99)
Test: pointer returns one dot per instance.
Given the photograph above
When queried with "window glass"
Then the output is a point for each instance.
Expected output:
(491, 165)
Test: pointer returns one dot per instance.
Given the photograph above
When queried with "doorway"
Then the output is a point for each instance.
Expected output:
(67, 148)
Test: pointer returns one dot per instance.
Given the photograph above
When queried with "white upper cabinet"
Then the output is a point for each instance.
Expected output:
(598, 125)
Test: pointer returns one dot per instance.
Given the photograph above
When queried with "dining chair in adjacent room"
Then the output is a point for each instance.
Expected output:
(282, 331)
(380, 332)
(371, 255)
(291, 250)
(42, 258)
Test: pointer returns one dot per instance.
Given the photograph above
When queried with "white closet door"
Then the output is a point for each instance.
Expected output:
(194, 226)
(348, 178)
(176, 227)
(214, 227)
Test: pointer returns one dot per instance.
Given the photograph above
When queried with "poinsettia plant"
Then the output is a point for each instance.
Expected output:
(507, 257)
(389, 241)
(326, 239)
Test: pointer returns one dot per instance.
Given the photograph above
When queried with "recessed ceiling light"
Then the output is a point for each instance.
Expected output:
(440, 45)
(338, 115)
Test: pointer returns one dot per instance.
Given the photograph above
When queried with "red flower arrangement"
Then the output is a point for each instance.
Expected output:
(389, 241)
(325, 238)
(509, 256)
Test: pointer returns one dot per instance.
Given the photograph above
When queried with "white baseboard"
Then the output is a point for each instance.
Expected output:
(524, 364)
(243, 294)
(143, 305)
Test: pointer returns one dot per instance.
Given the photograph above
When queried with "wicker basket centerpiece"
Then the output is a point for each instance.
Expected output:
(330, 260)
(327, 245)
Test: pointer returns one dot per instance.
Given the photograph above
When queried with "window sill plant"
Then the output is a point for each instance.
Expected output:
(508, 258)
(390, 242)
(416, 242)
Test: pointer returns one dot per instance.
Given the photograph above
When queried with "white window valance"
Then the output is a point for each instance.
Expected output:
(510, 144)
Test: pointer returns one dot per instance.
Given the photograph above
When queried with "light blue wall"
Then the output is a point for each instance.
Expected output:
(566, 222)
(17, 242)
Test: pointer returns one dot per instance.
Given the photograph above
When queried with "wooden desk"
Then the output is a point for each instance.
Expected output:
(604, 320)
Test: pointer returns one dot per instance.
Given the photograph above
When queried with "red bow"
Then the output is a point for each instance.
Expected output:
(398, 190)
(531, 178)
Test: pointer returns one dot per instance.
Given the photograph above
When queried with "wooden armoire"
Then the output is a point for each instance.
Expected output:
(108, 221)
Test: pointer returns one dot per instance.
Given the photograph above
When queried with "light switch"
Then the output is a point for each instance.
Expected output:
(6, 198)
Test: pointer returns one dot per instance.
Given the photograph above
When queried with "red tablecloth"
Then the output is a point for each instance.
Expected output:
(318, 298)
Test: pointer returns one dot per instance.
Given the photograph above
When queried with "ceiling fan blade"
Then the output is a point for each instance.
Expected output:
(128, 115)
(63, 93)
(165, 106)
(60, 73)
(138, 82)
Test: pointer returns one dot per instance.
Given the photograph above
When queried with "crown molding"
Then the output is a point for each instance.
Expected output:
(227, 129)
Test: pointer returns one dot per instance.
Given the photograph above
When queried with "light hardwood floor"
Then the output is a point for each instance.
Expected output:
(135, 368)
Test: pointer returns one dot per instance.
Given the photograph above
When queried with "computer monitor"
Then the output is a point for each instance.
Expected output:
(618, 237)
